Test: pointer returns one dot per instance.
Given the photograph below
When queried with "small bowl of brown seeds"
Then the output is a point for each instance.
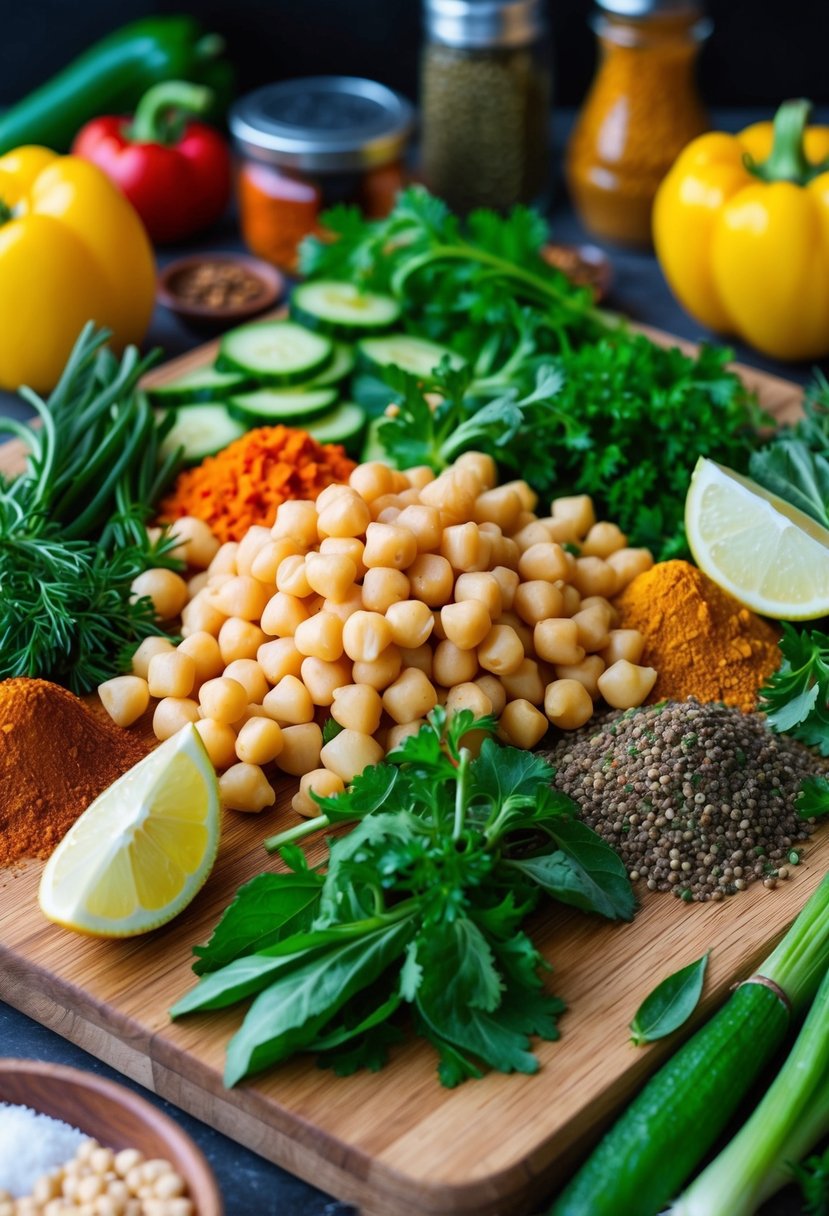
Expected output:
(217, 290)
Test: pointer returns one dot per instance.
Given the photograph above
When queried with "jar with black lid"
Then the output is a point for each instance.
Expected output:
(485, 102)
(304, 145)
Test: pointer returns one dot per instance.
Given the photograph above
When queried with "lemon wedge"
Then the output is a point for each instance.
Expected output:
(142, 850)
(771, 557)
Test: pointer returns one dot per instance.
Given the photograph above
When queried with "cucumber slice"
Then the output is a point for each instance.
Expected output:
(275, 352)
(292, 406)
(202, 430)
(201, 384)
(343, 425)
(418, 356)
(342, 309)
(341, 365)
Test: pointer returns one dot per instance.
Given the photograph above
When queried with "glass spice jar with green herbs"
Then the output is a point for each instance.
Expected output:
(485, 99)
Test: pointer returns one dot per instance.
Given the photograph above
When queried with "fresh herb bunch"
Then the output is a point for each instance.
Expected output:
(555, 387)
(796, 696)
(421, 906)
(795, 464)
(812, 1175)
(73, 525)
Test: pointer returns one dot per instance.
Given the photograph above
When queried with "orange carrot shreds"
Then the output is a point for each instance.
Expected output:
(245, 483)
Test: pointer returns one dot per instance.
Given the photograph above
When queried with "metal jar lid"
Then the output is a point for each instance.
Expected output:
(484, 23)
(322, 124)
(648, 8)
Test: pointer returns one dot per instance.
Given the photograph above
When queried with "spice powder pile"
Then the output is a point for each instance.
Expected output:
(55, 759)
(696, 799)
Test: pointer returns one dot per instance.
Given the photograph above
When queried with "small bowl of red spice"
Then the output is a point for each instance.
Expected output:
(215, 290)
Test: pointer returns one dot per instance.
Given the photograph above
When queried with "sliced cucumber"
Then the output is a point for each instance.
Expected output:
(275, 352)
(201, 384)
(418, 356)
(289, 405)
(202, 430)
(343, 425)
(343, 309)
(341, 365)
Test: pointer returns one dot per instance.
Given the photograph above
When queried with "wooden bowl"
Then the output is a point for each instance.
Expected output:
(113, 1115)
(214, 317)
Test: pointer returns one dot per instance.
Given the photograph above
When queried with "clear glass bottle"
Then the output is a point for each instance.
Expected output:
(641, 111)
(485, 102)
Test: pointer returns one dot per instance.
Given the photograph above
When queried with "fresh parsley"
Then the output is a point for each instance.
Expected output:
(421, 907)
(812, 1175)
(795, 698)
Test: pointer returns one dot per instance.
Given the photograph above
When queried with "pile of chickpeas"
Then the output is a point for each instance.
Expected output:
(383, 598)
(101, 1182)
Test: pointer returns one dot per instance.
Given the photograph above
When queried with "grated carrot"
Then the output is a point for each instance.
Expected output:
(245, 483)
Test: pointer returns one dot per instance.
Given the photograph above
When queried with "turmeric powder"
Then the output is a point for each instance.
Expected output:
(247, 481)
(701, 640)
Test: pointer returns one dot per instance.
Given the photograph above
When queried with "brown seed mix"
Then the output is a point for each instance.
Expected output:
(698, 799)
(217, 285)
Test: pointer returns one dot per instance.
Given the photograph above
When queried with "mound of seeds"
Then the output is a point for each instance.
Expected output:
(696, 799)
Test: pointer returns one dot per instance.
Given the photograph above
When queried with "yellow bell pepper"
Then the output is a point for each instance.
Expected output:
(72, 250)
(741, 229)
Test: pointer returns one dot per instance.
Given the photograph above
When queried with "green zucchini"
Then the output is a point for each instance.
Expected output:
(343, 425)
(418, 356)
(290, 406)
(669, 1127)
(201, 430)
(275, 352)
(200, 385)
(341, 365)
(343, 310)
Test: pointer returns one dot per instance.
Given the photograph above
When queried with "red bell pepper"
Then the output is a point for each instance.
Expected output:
(175, 172)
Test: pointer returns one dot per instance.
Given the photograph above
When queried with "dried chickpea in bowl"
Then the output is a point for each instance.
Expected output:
(383, 598)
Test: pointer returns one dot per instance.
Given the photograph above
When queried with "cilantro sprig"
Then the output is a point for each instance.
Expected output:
(796, 696)
(421, 908)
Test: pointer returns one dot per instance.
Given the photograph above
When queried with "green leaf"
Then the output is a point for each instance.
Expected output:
(582, 871)
(813, 798)
(368, 792)
(462, 954)
(289, 1015)
(795, 696)
(797, 475)
(265, 910)
(670, 1004)
(330, 729)
(812, 1176)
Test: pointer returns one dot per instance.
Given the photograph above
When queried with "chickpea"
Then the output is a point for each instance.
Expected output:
(289, 703)
(570, 598)
(166, 589)
(419, 476)
(380, 672)
(411, 622)
(259, 741)
(593, 576)
(624, 684)
(197, 544)
(568, 704)
(557, 641)
(347, 546)
(481, 587)
(493, 690)
(296, 519)
(592, 627)
(468, 695)
(330, 574)
(563, 531)
(347, 515)
(602, 540)
(223, 699)
(171, 675)
(424, 524)
(437, 626)
(461, 546)
(385, 510)
(525, 633)
(508, 582)
(254, 539)
(301, 748)
(126, 1160)
(169, 1186)
(201, 615)
(278, 659)
(282, 614)
(451, 665)
(454, 497)
(241, 596)
(345, 608)
(357, 707)
(501, 651)
(203, 649)
(522, 725)
(172, 714)
(389, 545)
(501, 506)
(466, 624)
(412, 695)
(481, 465)
(372, 480)
(244, 787)
(546, 561)
(224, 560)
(612, 613)
(125, 698)
(431, 579)
(421, 657)
(528, 496)
(577, 509)
(319, 781)
(349, 752)
(291, 576)
(322, 678)
(628, 563)
(219, 741)
(587, 672)
(145, 651)
(45, 1188)
(623, 644)
(239, 639)
(537, 600)
(505, 552)
(400, 732)
(366, 635)
(321, 636)
(266, 565)
(383, 587)
(525, 683)
(249, 674)
(531, 534)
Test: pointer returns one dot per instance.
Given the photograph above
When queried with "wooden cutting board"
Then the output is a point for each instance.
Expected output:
(393, 1143)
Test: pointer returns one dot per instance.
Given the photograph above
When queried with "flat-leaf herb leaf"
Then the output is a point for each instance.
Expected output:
(670, 1004)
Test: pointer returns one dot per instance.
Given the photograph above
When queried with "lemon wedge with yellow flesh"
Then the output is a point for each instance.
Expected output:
(771, 557)
(142, 850)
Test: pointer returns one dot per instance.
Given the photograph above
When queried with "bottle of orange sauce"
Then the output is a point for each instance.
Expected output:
(641, 111)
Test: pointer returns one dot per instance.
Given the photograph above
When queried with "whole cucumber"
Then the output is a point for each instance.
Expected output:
(111, 77)
(655, 1145)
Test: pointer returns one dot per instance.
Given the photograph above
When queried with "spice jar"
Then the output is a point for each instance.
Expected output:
(304, 145)
(485, 99)
(641, 111)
